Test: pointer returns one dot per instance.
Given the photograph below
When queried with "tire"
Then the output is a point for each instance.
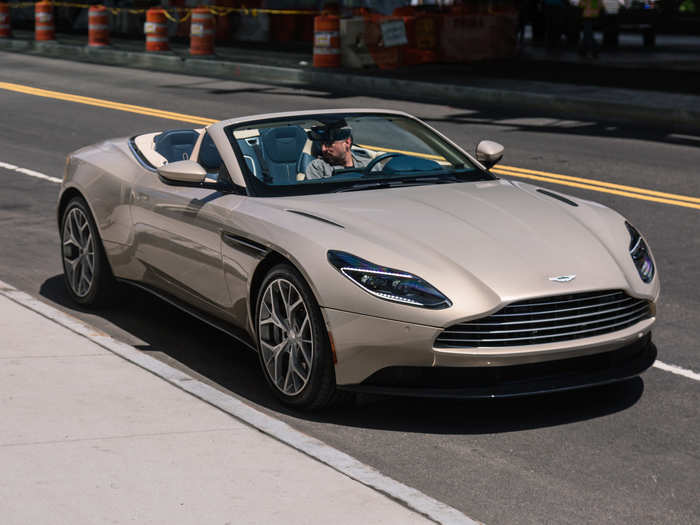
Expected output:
(294, 350)
(86, 271)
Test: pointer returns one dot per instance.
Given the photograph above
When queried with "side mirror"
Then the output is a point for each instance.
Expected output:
(489, 152)
(187, 171)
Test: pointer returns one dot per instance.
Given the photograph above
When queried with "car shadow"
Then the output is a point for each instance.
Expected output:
(218, 360)
(485, 416)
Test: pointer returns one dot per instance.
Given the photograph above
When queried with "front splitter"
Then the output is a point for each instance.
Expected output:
(512, 381)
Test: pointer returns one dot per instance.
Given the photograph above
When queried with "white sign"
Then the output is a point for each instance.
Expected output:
(611, 6)
(322, 40)
(149, 27)
(197, 29)
(394, 33)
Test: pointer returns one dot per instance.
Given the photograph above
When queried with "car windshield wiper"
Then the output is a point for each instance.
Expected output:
(395, 183)
(367, 186)
(433, 179)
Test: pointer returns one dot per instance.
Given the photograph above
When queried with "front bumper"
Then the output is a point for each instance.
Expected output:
(375, 354)
(513, 381)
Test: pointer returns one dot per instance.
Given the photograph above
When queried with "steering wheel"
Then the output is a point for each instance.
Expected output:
(376, 160)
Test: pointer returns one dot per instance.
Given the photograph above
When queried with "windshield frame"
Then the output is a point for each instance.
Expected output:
(257, 188)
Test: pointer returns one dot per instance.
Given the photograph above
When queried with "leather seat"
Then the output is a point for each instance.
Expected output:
(281, 149)
(248, 149)
(209, 157)
(176, 144)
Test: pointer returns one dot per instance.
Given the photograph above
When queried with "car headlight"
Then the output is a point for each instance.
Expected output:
(640, 254)
(387, 283)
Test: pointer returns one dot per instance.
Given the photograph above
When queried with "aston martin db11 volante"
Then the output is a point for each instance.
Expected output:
(362, 250)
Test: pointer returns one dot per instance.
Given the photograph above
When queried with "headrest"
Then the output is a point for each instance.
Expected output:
(176, 144)
(177, 136)
(283, 144)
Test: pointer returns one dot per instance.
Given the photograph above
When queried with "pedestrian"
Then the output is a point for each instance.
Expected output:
(590, 13)
(553, 18)
(523, 18)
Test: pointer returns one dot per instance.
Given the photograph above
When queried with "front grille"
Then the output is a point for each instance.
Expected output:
(548, 320)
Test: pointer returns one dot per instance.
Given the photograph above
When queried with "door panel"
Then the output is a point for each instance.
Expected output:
(178, 234)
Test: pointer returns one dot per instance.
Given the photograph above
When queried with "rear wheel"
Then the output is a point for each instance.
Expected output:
(293, 344)
(86, 271)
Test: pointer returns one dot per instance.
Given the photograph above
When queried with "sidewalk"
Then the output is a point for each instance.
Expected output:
(660, 88)
(88, 437)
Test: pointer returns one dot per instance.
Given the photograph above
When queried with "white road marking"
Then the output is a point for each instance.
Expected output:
(337, 460)
(7, 166)
(677, 370)
(31, 173)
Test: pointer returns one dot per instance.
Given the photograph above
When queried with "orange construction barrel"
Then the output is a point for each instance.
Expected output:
(43, 21)
(98, 26)
(326, 41)
(156, 29)
(202, 32)
(5, 30)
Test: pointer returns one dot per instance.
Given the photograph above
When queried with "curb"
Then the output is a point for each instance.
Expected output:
(345, 464)
(617, 108)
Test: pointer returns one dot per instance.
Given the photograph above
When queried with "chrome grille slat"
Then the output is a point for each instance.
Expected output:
(579, 315)
(628, 314)
(553, 319)
(565, 300)
(564, 334)
(587, 307)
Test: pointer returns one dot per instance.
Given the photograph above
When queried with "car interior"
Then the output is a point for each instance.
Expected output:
(275, 155)
(175, 144)
(167, 146)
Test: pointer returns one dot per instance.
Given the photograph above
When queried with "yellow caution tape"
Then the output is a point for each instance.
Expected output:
(214, 10)
(177, 20)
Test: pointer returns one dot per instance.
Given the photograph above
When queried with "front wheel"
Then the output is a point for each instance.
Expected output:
(293, 344)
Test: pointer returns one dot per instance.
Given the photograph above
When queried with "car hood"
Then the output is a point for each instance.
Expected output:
(497, 234)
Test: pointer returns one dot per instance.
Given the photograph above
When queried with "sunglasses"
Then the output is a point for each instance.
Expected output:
(328, 143)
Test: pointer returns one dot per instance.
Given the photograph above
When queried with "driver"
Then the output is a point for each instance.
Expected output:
(334, 142)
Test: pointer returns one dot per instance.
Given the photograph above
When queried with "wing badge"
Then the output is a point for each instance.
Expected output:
(563, 278)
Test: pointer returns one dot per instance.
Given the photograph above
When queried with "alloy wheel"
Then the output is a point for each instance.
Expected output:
(78, 252)
(285, 335)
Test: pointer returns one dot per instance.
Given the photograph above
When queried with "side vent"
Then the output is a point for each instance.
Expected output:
(316, 217)
(245, 245)
(556, 196)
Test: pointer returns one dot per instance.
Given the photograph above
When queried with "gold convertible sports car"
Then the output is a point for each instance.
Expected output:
(361, 250)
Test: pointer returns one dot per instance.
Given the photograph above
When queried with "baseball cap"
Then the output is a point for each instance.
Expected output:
(330, 132)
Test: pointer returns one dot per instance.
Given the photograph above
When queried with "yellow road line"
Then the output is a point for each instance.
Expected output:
(106, 104)
(598, 188)
(554, 178)
(601, 183)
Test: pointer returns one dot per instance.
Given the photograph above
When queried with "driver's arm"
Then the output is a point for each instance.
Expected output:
(318, 169)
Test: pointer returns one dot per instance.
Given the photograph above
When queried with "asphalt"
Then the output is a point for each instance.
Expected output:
(632, 85)
(621, 454)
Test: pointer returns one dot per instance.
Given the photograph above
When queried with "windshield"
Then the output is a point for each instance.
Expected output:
(345, 152)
